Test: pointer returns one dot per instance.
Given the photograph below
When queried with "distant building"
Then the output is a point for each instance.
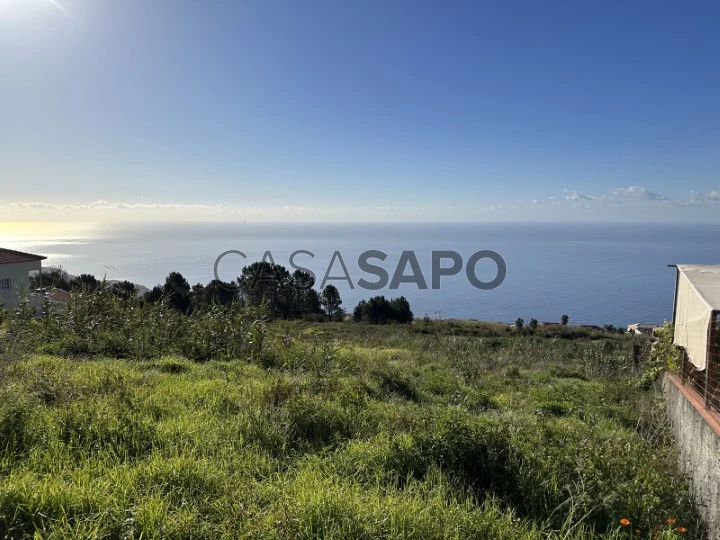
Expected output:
(642, 328)
(590, 327)
(56, 298)
(15, 270)
(546, 324)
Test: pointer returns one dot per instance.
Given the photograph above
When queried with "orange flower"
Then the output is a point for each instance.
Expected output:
(624, 522)
(681, 530)
(637, 531)
(671, 521)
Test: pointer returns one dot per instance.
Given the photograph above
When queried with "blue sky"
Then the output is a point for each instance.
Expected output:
(339, 110)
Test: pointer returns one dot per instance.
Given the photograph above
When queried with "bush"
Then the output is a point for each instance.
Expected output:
(664, 356)
(379, 310)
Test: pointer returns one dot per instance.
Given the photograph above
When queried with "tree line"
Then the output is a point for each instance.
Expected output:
(284, 295)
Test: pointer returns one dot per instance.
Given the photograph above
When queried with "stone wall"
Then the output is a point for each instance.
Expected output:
(697, 432)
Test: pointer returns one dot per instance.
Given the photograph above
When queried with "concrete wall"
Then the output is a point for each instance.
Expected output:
(19, 275)
(697, 432)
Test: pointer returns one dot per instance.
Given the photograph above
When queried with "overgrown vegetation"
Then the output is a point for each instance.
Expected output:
(120, 420)
(665, 356)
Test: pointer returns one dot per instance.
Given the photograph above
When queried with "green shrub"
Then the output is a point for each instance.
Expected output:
(664, 356)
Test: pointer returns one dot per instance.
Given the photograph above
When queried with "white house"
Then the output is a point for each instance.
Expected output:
(15, 270)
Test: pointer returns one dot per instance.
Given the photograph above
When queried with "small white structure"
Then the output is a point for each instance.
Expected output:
(642, 328)
(697, 301)
(15, 270)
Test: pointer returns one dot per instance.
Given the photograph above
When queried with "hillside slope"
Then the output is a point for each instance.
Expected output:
(341, 431)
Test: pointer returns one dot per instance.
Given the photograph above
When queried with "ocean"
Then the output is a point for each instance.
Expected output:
(595, 273)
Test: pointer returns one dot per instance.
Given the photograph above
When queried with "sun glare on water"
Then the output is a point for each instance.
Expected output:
(23, 232)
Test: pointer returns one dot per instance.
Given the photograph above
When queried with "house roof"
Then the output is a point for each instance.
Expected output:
(57, 295)
(10, 256)
(705, 279)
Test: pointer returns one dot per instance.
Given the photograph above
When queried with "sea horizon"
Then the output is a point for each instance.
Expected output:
(596, 272)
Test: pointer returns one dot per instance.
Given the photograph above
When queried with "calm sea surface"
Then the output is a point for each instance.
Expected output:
(596, 273)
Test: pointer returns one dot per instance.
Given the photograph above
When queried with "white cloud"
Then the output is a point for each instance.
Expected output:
(621, 197)
(128, 211)
(106, 205)
(637, 193)
(617, 197)
(577, 196)
(710, 196)
(36, 205)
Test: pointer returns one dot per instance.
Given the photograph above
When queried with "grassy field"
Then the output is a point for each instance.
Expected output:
(340, 430)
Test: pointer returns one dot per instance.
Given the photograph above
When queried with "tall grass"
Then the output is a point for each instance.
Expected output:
(101, 323)
(295, 430)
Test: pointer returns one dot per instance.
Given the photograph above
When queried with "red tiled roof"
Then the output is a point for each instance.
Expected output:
(58, 295)
(10, 256)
